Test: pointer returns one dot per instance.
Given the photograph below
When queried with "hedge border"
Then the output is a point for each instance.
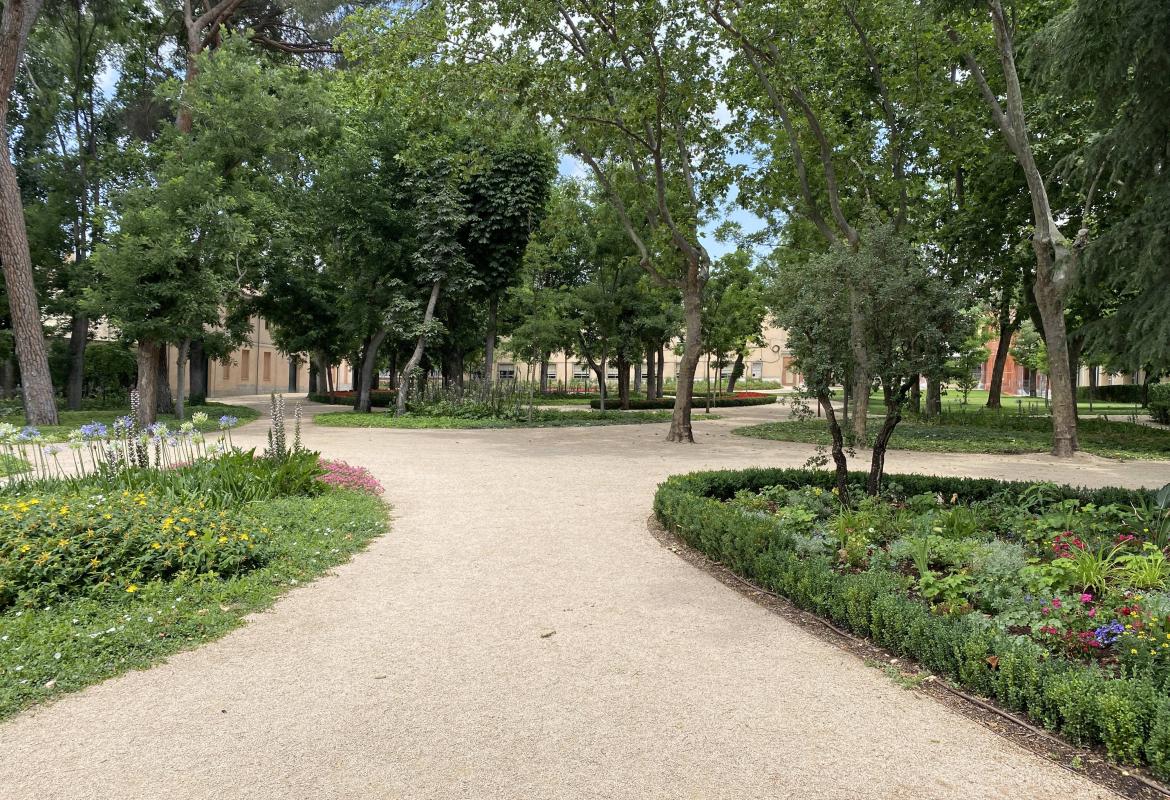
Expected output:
(1128, 716)
(699, 402)
(1160, 403)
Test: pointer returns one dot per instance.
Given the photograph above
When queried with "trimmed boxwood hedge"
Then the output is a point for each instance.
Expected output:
(1160, 403)
(1129, 716)
(379, 398)
(700, 402)
(1118, 393)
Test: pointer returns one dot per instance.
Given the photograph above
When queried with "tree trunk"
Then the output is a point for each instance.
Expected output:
(366, 376)
(78, 337)
(1050, 302)
(147, 382)
(862, 382)
(651, 380)
(419, 348)
(314, 377)
(294, 366)
(1002, 350)
(181, 378)
(881, 442)
(916, 395)
(838, 448)
(736, 372)
(489, 345)
(933, 396)
(623, 367)
(199, 369)
(1075, 345)
(544, 374)
(680, 421)
(166, 401)
(637, 387)
(40, 406)
(660, 375)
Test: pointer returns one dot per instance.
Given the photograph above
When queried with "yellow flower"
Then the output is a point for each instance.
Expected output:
(93, 562)
(24, 548)
(223, 539)
(131, 589)
(63, 542)
(168, 522)
(192, 534)
(34, 502)
(1133, 651)
(244, 537)
(156, 546)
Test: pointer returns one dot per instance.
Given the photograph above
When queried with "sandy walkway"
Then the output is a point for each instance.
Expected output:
(519, 634)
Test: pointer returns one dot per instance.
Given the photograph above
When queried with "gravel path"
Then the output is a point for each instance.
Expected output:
(519, 634)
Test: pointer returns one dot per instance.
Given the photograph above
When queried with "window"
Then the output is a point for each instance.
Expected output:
(725, 372)
(552, 372)
(757, 369)
(268, 367)
(580, 370)
(227, 369)
(507, 372)
(611, 373)
(245, 364)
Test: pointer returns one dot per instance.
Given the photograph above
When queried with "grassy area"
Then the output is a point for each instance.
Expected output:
(1011, 404)
(69, 420)
(991, 434)
(540, 419)
(68, 645)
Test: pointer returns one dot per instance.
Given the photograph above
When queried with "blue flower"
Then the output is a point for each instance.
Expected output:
(124, 423)
(1108, 634)
(227, 421)
(95, 430)
(28, 433)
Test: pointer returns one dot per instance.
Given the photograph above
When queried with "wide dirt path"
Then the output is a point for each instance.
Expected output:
(520, 634)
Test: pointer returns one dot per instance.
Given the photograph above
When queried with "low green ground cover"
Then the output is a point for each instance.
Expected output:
(1051, 600)
(539, 419)
(116, 569)
(698, 402)
(989, 433)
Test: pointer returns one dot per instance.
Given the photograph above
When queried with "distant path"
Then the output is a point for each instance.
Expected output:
(520, 634)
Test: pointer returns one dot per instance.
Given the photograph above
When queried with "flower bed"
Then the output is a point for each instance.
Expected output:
(347, 476)
(1048, 599)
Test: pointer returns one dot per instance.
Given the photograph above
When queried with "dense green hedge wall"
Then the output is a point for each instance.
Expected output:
(1121, 393)
(1160, 403)
(379, 398)
(699, 402)
(1129, 716)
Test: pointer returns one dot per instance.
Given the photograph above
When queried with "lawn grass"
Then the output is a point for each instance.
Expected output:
(540, 419)
(1012, 434)
(72, 644)
(952, 400)
(70, 420)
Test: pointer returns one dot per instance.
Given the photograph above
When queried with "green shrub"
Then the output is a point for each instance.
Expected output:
(56, 545)
(1118, 393)
(1160, 403)
(1126, 715)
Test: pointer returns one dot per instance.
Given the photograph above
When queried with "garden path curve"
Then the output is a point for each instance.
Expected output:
(520, 634)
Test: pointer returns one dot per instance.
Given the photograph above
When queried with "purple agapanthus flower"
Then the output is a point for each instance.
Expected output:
(227, 421)
(28, 432)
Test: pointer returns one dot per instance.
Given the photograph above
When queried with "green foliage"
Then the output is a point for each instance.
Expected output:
(540, 419)
(1085, 702)
(1160, 403)
(1133, 393)
(87, 638)
(991, 433)
(698, 400)
(110, 369)
(61, 544)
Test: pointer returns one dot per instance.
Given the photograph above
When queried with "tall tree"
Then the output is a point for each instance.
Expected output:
(1057, 257)
(40, 406)
(631, 87)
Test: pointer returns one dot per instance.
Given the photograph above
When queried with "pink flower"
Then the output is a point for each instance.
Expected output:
(1086, 598)
(1056, 602)
(1092, 612)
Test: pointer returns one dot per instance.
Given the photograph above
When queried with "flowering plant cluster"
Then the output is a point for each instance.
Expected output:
(348, 476)
(58, 545)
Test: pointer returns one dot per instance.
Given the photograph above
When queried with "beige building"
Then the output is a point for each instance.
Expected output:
(771, 363)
